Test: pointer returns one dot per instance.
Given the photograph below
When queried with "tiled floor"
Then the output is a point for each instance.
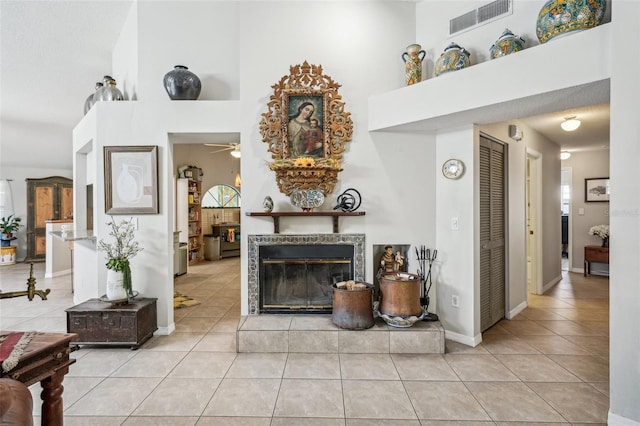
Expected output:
(550, 365)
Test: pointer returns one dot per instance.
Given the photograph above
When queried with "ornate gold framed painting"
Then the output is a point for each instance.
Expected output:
(306, 128)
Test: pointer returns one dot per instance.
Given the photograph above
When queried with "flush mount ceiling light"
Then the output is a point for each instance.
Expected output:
(564, 155)
(570, 123)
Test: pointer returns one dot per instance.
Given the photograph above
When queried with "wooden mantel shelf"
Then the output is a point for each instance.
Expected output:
(277, 215)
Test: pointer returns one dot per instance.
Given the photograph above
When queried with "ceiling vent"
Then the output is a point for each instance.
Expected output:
(480, 16)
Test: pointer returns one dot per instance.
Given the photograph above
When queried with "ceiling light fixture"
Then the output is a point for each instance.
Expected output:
(564, 155)
(570, 123)
(236, 152)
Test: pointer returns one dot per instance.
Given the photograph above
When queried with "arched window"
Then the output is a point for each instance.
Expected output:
(221, 196)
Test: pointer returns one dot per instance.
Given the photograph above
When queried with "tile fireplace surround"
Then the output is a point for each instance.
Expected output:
(316, 333)
(256, 241)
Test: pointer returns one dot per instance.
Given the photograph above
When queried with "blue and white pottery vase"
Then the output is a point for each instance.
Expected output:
(559, 17)
(507, 44)
(453, 58)
(181, 84)
(306, 199)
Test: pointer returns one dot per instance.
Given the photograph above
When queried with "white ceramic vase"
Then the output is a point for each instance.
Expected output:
(115, 287)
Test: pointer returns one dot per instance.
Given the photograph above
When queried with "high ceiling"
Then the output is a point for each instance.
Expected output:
(53, 52)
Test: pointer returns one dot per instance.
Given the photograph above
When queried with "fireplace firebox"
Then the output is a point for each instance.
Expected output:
(300, 278)
(291, 274)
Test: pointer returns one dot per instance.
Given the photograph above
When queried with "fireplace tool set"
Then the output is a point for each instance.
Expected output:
(425, 258)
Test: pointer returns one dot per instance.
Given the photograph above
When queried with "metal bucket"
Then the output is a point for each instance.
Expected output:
(353, 309)
(400, 294)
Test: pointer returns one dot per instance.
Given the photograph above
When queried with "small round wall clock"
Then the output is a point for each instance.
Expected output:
(453, 168)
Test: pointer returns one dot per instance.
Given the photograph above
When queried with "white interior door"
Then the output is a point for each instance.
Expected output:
(534, 204)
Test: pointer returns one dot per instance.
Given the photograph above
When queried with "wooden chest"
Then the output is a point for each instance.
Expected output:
(101, 323)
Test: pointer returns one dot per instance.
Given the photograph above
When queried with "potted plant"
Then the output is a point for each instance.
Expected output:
(9, 225)
(601, 231)
(118, 254)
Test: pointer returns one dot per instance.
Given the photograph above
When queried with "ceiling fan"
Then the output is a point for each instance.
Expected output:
(233, 147)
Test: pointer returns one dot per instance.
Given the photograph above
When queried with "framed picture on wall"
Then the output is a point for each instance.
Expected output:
(131, 179)
(596, 189)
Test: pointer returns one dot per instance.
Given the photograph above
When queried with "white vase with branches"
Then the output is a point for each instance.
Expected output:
(118, 253)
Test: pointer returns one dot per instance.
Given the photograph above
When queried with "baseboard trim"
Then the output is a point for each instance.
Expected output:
(57, 274)
(515, 311)
(616, 420)
(461, 338)
(551, 283)
(165, 331)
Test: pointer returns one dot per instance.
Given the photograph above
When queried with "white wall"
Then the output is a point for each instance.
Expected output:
(202, 35)
(359, 45)
(625, 226)
(455, 268)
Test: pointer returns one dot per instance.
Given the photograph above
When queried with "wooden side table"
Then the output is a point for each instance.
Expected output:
(102, 323)
(45, 360)
(596, 254)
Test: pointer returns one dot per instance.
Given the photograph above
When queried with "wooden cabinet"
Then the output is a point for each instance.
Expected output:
(229, 239)
(596, 254)
(48, 198)
(101, 323)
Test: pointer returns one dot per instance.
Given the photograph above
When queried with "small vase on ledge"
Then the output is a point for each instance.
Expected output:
(605, 242)
(182, 84)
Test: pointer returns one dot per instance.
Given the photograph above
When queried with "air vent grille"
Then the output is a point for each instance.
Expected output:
(481, 15)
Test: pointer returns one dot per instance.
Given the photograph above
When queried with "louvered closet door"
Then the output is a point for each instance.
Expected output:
(492, 232)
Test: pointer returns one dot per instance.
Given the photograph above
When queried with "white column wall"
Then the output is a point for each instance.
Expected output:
(455, 264)
(624, 325)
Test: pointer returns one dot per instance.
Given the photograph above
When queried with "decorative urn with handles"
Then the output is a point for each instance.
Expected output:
(453, 58)
(507, 44)
(413, 64)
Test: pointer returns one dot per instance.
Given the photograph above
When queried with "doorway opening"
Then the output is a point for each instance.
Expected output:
(565, 185)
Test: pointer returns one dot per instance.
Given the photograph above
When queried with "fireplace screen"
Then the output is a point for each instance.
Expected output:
(300, 278)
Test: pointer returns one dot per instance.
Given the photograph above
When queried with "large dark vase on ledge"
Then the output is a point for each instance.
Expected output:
(181, 84)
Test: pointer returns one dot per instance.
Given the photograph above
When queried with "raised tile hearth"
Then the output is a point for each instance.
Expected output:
(317, 334)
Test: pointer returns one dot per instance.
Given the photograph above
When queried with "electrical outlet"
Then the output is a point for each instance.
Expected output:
(455, 301)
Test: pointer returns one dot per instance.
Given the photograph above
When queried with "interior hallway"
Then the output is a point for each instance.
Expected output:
(550, 364)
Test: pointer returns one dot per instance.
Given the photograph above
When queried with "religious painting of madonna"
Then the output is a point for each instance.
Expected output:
(305, 125)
